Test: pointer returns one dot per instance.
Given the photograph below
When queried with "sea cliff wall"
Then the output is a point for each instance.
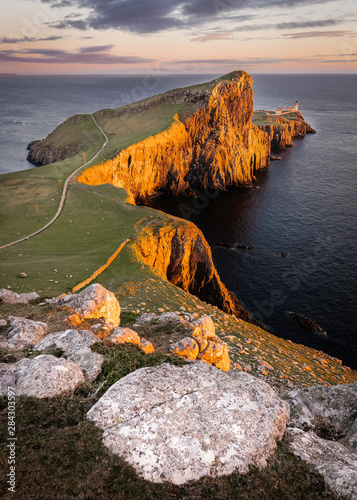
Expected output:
(179, 250)
(216, 146)
(282, 131)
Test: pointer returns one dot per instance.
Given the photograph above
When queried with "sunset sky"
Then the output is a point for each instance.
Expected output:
(198, 36)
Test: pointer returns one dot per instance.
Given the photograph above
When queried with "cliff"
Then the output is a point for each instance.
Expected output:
(282, 130)
(179, 250)
(217, 145)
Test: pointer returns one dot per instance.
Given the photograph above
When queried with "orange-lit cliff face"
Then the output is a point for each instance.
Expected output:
(216, 146)
(282, 131)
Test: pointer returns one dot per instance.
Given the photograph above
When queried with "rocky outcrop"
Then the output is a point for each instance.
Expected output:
(217, 146)
(42, 377)
(75, 345)
(94, 302)
(124, 336)
(332, 460)
(23, 333)
(179, 424)
(282, 131)
(321, 416)
(180, 251)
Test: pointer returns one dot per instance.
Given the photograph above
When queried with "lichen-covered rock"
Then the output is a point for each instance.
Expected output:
(76, 346)
(147, 346)
(216, 353)
(101, 330)
(186, 348)
(7, 377)
(124, 336)
(204, 328)
(144, 319)
(335, 462)
(180, 424)
(332, 406)
(94, 302)
(42, 377)
(25, 333)
(10, 297)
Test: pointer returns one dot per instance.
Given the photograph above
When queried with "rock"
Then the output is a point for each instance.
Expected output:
(76, 347)
(335, 462)
(147, 346)
(93, 302)
(325, 410)
(180, 424)
(11, 297)
(3, 323)
(124, 336)
(171, 318)
(42, 377)
(186, 348)
(30, 296)
(216, 353)
(25, 333)
(7, 377)
(204, 328)
(305, 322)
(23, 275)
(144, 319)
(101, 330)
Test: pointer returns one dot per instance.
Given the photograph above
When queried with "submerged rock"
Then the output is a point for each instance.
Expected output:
(180, 424)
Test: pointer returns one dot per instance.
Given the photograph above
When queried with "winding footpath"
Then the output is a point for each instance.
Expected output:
(64, 192)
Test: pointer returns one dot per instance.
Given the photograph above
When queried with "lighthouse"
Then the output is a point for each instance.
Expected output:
(296, 106)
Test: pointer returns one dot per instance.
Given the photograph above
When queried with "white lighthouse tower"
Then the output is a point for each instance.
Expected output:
(296, 106)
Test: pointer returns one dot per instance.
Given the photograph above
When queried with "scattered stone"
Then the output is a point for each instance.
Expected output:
(124, 336)
(9, 297)
(76, 346)
(180, 424)
(23, 275)
(93, 302)
(335, 462)
(25, 333)
(147, 346)
(42, 377)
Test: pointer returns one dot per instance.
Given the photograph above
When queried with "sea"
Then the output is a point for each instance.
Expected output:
(304, 206)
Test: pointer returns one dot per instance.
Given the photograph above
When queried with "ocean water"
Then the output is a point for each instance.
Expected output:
(304, 205)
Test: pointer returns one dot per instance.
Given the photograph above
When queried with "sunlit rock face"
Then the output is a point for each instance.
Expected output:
(94, 302)
(218, 146)
(180, 424)
(282, 131)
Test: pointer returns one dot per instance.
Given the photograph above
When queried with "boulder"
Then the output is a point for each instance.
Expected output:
(147, 346)
(336, 463)
(144, 319)
(30, 296)
(204, 328)
(93, 302)
(25, 333)
(215, 353)
(329, 409)
(41, 377)
(10, 297)
(180, 424)
(124, 336)
(186, 348)
(76, 347)
(101, 330)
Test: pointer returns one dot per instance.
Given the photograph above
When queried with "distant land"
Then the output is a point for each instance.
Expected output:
(7, 74)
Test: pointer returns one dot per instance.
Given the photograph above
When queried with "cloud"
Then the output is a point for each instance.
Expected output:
(29, 39)
(85, 55)
(318, 34)
(144, 17)
(213, 36)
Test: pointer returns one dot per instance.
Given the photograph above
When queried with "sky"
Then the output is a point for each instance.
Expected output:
(184, 36)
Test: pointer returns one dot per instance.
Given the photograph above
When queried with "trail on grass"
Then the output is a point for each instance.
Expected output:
(64, 192)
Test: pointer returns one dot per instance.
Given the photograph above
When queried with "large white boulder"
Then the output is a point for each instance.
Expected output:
(42, 377)
(179, 424)
(9, 297)
(93, 302)
(76, 346)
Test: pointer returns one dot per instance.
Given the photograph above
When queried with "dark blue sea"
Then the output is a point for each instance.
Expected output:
(305, 205)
